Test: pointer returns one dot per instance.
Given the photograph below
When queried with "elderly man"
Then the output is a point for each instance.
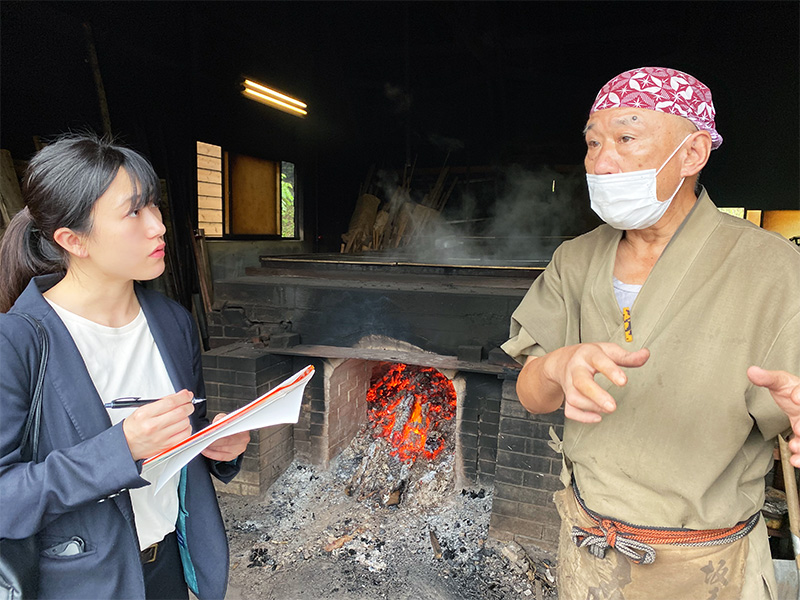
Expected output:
(647, 331)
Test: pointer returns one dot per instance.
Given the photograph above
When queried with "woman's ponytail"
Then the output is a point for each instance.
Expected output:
(24, 254)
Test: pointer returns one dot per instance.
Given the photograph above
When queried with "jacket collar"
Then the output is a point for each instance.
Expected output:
(166, 334)
(66, 371)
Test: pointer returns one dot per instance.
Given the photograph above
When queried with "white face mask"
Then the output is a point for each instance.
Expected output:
(628, 200)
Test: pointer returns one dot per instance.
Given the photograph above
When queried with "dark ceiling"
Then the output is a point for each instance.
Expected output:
(478, 83)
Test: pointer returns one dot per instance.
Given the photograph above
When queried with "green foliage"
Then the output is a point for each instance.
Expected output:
(287, 201)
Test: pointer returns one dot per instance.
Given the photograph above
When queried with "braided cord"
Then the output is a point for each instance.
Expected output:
(634, 541)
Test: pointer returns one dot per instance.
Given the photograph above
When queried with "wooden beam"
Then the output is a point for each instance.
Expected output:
(98, 80)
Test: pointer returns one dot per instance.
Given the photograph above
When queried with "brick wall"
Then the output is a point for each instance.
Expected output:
(480, 418)
(235, 375)
(347, 403)
(334, 408)
(526, 475)
(309, 431)
(231, 325)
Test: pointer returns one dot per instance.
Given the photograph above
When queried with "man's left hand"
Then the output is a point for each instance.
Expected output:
(785, 389)
(229, 447)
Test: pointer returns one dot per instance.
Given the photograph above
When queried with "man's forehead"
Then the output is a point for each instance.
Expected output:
(630, 117)
(622, 116)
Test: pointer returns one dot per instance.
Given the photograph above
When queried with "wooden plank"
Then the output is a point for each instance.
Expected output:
(205, 262)
(209, 149)
(784, 222)
(171, 277)
(10, 193)
(209, 176)
(203, 271)
(209, 202)
(98, 80)
(254, 186)
(209, 162)
(754, 216)
(5, 219)
(210, 216)
(212, 229)
(360, 230)
(209, 189)
(790, 485)
(226, 194)
(420, 358)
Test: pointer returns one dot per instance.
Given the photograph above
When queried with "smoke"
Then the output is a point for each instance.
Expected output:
(516, 216)
(537, 210)
(525, 220)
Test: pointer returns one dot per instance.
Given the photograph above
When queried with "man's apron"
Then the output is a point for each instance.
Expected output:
(679, 572)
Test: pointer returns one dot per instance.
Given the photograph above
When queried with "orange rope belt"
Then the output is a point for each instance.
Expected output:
(634, 541)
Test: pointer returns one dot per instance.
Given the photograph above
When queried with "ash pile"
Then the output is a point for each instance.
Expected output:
(387, 520)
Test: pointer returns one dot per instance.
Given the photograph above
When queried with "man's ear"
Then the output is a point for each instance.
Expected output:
(71, 242)
(698, 151)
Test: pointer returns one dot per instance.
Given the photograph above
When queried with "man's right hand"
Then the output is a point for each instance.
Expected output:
(567, 375)
(584, 399)
(155, 427)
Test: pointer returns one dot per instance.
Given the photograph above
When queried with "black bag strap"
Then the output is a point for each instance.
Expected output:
(29, 447)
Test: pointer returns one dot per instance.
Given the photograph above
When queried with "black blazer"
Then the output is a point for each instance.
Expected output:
(79, 485)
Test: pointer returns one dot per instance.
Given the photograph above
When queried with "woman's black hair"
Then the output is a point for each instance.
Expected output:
(61, 185)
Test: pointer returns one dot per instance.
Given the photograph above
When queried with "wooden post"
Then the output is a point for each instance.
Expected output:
(98, 80)
(203, 269)
(792, 499)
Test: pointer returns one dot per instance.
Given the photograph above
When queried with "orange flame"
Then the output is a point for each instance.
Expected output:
(428, 398)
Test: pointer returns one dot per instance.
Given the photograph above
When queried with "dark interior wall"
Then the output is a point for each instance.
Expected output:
(476, 83)
(48, 88)
(48, 85)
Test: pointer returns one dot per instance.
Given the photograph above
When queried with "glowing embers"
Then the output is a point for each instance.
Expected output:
(407, 406)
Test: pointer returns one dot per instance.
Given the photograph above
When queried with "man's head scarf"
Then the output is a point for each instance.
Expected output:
(665, 90)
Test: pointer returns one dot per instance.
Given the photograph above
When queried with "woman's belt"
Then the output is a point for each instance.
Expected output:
(634, 541)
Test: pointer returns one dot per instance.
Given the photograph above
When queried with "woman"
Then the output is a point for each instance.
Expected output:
(71, 259)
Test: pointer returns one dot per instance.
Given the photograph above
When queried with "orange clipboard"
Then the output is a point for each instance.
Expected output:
(242, 418)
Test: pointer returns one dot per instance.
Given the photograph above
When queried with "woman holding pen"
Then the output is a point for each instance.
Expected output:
(71, 259)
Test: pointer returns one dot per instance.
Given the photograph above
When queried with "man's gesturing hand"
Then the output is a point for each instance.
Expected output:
(785, 389)
(574, 370)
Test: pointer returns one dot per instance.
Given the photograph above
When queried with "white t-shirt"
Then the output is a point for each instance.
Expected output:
(125, 361)
(625, 292)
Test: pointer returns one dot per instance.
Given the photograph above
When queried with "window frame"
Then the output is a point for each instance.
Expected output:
(226, 202)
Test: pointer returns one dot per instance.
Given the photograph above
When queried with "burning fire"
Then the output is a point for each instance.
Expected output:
(407, 405)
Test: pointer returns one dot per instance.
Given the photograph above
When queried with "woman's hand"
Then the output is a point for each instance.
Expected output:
(160, 425)
(229, 447)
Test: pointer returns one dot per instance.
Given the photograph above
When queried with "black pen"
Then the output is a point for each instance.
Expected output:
(133, 401)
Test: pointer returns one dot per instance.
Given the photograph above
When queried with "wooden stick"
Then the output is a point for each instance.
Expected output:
(446, 197)
(437, 188)
(173, 283)
(98, 80)
(203, 277)
(437, 549)
(365, 186)
(792, 499)
(414, 166)
(206, 260)
(10, 194)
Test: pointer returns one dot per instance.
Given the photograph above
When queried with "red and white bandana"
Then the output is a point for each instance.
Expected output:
(665, 90)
